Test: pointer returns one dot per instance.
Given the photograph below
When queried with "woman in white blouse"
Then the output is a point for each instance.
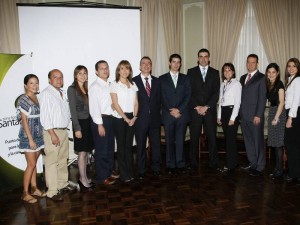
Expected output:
(292, 131)
(228, 110)
(125, 104)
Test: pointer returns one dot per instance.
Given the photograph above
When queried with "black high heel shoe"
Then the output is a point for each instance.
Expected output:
(84, 188)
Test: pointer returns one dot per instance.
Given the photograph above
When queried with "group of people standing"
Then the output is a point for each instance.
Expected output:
(138, 106)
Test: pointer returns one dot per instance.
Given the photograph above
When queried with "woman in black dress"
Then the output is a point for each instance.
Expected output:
(277, 116)
(79, 108)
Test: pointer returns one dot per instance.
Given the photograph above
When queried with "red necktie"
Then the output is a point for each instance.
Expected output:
(148, 88)
(248, 78)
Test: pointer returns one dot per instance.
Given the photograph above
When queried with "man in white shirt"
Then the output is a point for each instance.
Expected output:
(55, 118)
(101, 113)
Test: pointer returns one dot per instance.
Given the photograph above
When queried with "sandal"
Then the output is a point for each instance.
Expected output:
(37, 192)
(28, 198)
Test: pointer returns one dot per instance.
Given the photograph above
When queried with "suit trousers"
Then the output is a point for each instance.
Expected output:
(124, 136)
(292, 145)
(56, 157)
(175, 134)
(141, 134)
(210, 128)
(104, 149)
(230, 133)
(254, 143)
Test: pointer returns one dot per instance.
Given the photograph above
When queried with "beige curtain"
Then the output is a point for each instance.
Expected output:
(279, 26)
(9, 27)
(224, 20)
(172, 25)
(149, 29)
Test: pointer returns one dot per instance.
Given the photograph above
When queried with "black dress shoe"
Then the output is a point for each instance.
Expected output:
(181, 170)
(84, 188)
(171, 171)
(68, 189)
(56, 198)
(255, 173)
(141, 176)
(298, 181)
(156, 173)
(289, 179)
(246, 168)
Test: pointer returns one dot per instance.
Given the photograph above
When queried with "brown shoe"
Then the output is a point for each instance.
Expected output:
(28, 198)
(56, 198)
(108, 181)
(37, 192)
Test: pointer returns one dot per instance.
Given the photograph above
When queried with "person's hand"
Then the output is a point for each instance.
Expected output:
(289, 122)
(78, 134)
(101, 130)
(54, 139)
(132, 121)
(275, 122)
(231, 122)
(175, 113)
(219, 122)
(32, 144)
(256, 120)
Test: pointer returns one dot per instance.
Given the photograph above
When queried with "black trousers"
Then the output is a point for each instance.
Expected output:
(230, 133)
(210, 127)
(292, 145)
(124, 136)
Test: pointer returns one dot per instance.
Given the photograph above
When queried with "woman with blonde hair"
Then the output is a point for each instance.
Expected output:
(125, 104)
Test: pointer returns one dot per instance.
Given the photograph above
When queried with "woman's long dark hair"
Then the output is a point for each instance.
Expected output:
(269, 84)
(287, 75)
(85, 84)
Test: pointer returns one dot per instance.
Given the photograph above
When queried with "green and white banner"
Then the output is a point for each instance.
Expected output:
(13, 68)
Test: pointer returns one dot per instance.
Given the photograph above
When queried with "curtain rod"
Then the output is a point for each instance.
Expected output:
(80, 4)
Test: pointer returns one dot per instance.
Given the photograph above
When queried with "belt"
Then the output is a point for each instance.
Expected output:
(58, 128)
(228, 106)
(105, 115)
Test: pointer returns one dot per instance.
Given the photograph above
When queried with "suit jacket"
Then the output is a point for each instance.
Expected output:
(253, 100)
(204, 93)
(172, 97)
(149, 107)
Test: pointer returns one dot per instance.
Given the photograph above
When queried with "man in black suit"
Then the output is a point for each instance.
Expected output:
(148, 122)
(252, 110)
(176, 92)
(205, 85)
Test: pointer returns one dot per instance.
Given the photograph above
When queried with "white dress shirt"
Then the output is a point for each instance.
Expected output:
(54, 108)
(174, 77)
(144, 80)
(247, 77)
(230, 94)
(292, 97)
(126, 97)
(99, 100)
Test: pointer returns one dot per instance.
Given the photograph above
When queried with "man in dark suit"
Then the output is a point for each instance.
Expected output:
(175, 92)
(148, 122)
(252, 115)
(205, 85)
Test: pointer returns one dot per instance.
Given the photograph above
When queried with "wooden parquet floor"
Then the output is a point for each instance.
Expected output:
(206, 197)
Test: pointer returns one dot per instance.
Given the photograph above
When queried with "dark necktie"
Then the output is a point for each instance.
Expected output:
(148, 88)
(248, 78)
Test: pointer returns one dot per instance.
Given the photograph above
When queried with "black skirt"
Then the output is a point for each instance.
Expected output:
(86, 143)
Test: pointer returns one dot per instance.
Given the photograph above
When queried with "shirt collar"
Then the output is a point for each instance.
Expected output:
(254, 72)
(143, 77)
(173, 74)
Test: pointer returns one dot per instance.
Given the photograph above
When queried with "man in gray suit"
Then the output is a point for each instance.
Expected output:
(252, 116)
